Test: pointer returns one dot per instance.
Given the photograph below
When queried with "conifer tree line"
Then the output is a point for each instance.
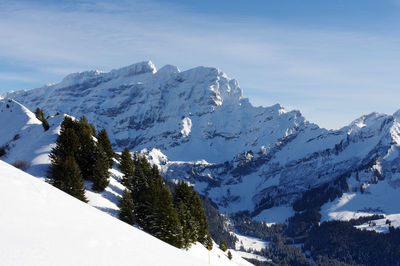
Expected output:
(77, 156)
(81, 153)
(177, 218)
(40, 115)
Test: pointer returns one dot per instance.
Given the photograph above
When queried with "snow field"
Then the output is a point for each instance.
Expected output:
(41, 225)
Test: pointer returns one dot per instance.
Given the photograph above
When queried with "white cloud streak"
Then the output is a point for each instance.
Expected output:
(326, 69)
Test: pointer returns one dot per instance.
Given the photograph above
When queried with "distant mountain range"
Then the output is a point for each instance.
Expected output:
(197, 126)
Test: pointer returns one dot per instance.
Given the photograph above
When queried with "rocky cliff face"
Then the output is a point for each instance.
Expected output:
(197, 126)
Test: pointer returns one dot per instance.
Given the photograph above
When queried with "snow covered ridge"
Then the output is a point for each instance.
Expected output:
(22, 138)
(196, 125)
(42, 225)
(199, 110)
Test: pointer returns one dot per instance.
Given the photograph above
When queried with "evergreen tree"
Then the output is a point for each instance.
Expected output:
(164, 220)
(154, 210)
(208, 242)
(66, 176)
(100, 175)
(86, 155)
(39, 115)
(67, 143)
(83, 122)
(182, 201)
(229, 255)
(141, 186)
(45, 125)
(191, 214)
(187, 223)
(223, 246)
(126, 208)
(127, 167)
(64, 172)
(104, 142)
(198, 213)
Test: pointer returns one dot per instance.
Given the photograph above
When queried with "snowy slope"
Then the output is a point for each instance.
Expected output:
(380, 198)
(24, 138)
(41, 225)
(197, 126)
(34, 145)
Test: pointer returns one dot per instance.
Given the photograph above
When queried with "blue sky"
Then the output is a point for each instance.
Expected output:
(333, 60)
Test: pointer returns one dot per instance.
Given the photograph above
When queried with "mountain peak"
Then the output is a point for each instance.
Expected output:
(168, 70)
(131, 70)
(396, 115)
(134, 69)
(79, 77)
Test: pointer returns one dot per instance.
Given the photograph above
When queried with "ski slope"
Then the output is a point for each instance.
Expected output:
(41, 225)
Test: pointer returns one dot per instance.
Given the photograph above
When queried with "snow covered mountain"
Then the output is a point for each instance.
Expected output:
(199, 113)
(196, 125)
(41, 225)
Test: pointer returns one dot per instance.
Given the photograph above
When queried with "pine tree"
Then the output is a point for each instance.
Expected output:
(100, 173)
(68, 142)
(154, 210)
(104, 142)
(191, 214)
(64, 172)
(165, 223)
(182, 201)
(126, 208)
(83, 122)
(223, 246)
(39, 115)
(229, 255)
(86, 155)
(45, 125)
(67, 177)
(140, 185)
(127, 167)
(199, 214)
(187, 223)
(208, 242)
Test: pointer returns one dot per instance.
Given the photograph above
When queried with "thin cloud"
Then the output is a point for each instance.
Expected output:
(22, 77)
(327, 65)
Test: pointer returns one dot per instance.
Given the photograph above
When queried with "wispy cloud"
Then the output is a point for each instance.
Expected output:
(321, 68)
(11, 76)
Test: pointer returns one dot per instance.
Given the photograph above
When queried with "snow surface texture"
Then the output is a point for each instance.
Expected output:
(197, 126)
(246, 245)
(250, 243)
(24, 139)
(41, 225)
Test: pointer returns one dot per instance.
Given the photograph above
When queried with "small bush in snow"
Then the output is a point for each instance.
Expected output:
(21, 164)
(229, 255)
(223, 246)
(2, 151)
